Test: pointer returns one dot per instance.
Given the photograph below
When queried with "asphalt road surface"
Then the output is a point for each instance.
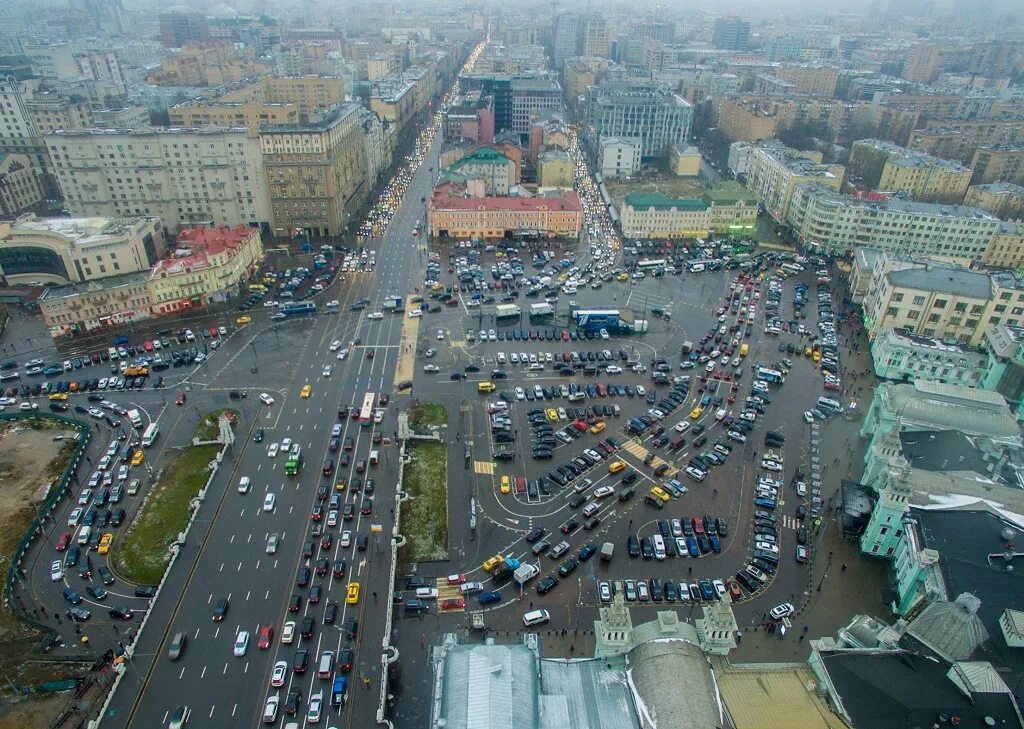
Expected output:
(226, 556)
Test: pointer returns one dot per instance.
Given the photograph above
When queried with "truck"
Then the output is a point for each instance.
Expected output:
(339, 690)
(135, 418)
(541, 312)
(607, 552)
(392, 303)
(614, 321)
(526, 573)
(687, 347)
(506, 311)
(506, 568)
(293, 465)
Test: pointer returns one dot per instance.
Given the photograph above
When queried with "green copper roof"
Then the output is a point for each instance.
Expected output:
(729, 193)
(663, 202)
(484, 155)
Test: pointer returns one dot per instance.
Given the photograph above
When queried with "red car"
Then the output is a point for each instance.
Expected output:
(453, 603)
(698, 525)
(214, 332)
(265, 637)
(63, 541)
(456, 579)
(180, 399)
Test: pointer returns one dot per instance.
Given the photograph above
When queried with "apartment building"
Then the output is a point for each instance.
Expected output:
(309, 93)
(1003, 199)
(832, 223)
(775, 172)
(1006, 249)
(20, 185)
(77, 250)
(121, 117)
(455, 212)
(959, 138)
(950, 303)
(211, 175)
(178, 29)
(617, 157)
(75, 308)
(733, 210)
(649, 215)
(743, 120)
(232, 114)
(1004, 163)
(648, 111)
(211, 64)
(394, 100)
(316, 172)
(901, 355)
(554, 168)
(881, 165)
(809, 78)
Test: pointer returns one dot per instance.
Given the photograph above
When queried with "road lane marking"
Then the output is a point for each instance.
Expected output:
(224, 673)
(180, 675)
(203, 673)
(215, 706)
(235, 707)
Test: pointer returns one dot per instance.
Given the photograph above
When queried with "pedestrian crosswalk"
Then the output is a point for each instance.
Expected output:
(636, 449)
(484, 467)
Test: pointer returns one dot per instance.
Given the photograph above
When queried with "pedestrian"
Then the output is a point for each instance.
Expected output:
(531, 604)
(843, 569)
(374, 596)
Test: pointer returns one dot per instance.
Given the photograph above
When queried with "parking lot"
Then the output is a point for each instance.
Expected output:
(700, 507)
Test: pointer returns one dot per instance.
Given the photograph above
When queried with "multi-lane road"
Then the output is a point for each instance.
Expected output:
(226, 555)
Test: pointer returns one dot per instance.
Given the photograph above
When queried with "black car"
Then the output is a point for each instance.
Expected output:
(546, 584)
(307, 626)
(293, 701)
(535, 534)
(647, 548)
(147, 591)
(106, 576)
(330, 611)
(220, 610)
(350, 628)
(121, 613)
(633, 546)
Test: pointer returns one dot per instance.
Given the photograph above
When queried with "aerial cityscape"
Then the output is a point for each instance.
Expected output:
(484, 366)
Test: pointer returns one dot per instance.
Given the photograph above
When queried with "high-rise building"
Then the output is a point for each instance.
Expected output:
(530, 98)
(211, 176)
(178, 29)
(595, 41)
(663, 32)
(634, 109)
(566, 37)
(731, 33)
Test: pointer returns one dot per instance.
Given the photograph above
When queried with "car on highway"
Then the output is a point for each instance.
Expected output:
(265, 637)
(268, 502)
(306, 391)
(352, 594)
(241, 644)
(270, 708)
(220, 609)
(316, 702)
(280, 674)
(326, 372)
(272, 450)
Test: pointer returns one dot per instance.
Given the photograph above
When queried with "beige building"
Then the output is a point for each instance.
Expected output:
(960, 138)
(618, 157)
(211, 175)
(881, 165)
(998, 164)
(653, 215)
(20, 186)
(311, 93)
(1006, 250)
(121, 117)
(316, 172)
(941, 301)
(684, 160)
(219, 261)
(394, 101)
(733, 210)
(232, 114)
(808, 78)
(775, 171)
(96, 305)
(211, 64)
(76, 250)
(1003, 199)
(455, 212)
(554, 168)
(495, 170)
(745, 121)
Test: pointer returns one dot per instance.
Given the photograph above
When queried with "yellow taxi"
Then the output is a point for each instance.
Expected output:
(622, 277)
(598, 427)
(616, 467)
(243, 320)
(506, 484)
(660, 493)
(807, 352)
(58, 396)
(816, 355)
(353, 593)
(105, 543)
(486, 387)
(339, 486)
(492, 562)
(552, 414)
(306, 391)
(138, 457)
(696, 412)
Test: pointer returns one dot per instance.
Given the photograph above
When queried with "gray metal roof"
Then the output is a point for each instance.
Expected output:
(939, 406)
(672, 682)
(944, 280)
(490, 687)
(586, 694)
(951, 629)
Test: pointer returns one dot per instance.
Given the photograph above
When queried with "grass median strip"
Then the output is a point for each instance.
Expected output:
(425, 514)
(428, 415)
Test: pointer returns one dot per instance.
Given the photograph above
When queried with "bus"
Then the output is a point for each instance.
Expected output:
(297, 308)
(792, 268)
(763, 373)
(647, 264)
(150, 434)
(366, 411)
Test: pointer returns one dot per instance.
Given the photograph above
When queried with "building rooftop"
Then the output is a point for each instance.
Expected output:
(767, 696)
(138, 278)
(658, 201)
(900, 689)
(898, 204)
(694, 694)
(481, 156)
(941, 450)
(316, 123)
(903, 157)
(950, 628)
(524, 85)
(906, 338)
(449, 197)
(1001, 188)
(198, 245)
(929, 404)
(730, 193)
(79, 232)
(944, 280)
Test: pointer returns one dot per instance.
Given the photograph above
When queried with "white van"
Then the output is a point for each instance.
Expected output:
(659, 547)
(325, 667)
(84, 534)
(536, 617)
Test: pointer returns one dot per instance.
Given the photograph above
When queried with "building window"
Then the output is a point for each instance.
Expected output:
(939, 304)
(918, 301)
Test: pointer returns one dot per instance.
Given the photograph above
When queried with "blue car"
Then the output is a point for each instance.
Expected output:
(691, 546)
(764, 503)
(486, 598)
(716, 544)
(72, 596)
(707, 591)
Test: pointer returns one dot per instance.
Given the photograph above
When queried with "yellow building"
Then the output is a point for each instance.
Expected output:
(232, 114)
(394, 101)
(1003, 199)
(452, 212)
(774, 172)
(1006, 250)
(733, 210)
(20, 186)
(310, 93)
(810, 78)
(95, 305)
(212, 64)
(743, 121)
(554, 168)
(882, 165)
(684, 160)
(653, 215)
(998, 164)
(221, 260)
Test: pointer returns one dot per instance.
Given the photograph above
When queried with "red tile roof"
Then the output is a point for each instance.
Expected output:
(214, 240)
(443, 199)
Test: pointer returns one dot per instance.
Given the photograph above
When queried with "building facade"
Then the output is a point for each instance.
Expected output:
(902, 356)
(684, 160)
(731, 33)
(618, 157)
(1006, 249)
(316, 172)
(531, 98)
(96, 305)
(1003, 163)
(77, 250)
(827, 221)
(775, 172)
(653, 215)
(487, 164)
(232, 114)
(733, 210)
(554, 168)
(452, 212)
(20, 185)
(643, 110)
(211, 176)
(881, 165)
(1003, 199)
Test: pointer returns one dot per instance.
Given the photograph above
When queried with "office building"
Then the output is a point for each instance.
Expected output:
(829, 222)
(617, 157)
(210, 176)
(775, 172)
(533, 98)
(900, 355)
(1003, 199)
(20, 185)
(880, 165)
(567, 37)
(731, 34)
(635, 109)
(733, 210)
(316, 172)
(178, 29)
(595, 42)
(464, 213)
(232, 114)
(77, 250)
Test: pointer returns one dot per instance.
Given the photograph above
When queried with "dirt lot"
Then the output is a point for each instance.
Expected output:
(679, 187)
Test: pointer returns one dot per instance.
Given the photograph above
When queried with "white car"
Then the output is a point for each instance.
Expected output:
(56, 570)
(241, 643)
(266, 399)
(346, 538)
(430, 353)
(682, 426)
(280, 674)
(719, 588)
(375, 315)
(520, 393)
(288, 632)
(286, 445)
(75, 516)
(414, 313)
(601, 492)
(222, 331)
(378, 416)
(243, 485)
(270, 709)
(343, 354)
(767, 547)
(327, 370)
(272, 450)
(440, 334)
(316, 703)
(710, 366)
(640, 391)
(770, 465)
(782, 611)
(492, 335)
(431, 368)
(808, 418)
(613, 370)
(268, 502)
